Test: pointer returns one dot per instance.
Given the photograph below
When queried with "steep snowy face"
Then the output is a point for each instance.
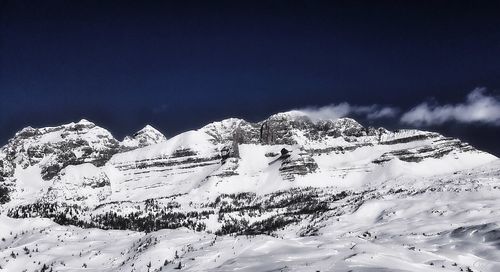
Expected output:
(144, 137)
(172, 167)
(83, 184)
(53, 148)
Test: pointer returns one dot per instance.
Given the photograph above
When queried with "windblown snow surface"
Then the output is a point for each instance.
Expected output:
(389, 201)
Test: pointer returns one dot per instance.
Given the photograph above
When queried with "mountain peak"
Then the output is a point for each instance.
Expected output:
(85, 122)
(144, 137)
(53, 148)
(148, 129)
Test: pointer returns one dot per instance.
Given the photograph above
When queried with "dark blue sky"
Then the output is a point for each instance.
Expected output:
(124, 64)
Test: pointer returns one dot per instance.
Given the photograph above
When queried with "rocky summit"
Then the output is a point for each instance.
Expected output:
(289, 193)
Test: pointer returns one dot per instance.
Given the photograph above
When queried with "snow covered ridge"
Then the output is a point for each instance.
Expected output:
(53, 148)
(286, 193)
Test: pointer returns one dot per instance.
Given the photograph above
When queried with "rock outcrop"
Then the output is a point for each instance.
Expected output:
(53, 148)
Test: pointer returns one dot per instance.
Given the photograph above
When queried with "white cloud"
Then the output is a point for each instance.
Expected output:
(335, 111)
(375, 111)
(478, 108)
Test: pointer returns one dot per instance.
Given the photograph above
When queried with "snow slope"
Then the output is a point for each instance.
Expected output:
(434, 231)
(284, 194)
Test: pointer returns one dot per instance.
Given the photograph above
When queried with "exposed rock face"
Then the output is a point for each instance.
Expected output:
(144, 137)
(297, 164)
(439, 147)
(289, 127)
(54, 148)
(231, 133)
(286, 128)
(6, 167)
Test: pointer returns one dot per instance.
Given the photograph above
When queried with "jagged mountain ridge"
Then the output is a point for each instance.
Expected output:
(54, 148)
(216, 151)
(285, 176)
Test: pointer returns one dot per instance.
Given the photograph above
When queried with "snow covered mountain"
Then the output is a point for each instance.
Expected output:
(285, 194)
(144, 137)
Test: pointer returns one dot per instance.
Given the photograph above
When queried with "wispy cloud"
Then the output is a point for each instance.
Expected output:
(477, 108)
(335, 111)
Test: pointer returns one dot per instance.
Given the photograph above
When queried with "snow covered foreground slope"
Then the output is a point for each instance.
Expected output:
(284, 194)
